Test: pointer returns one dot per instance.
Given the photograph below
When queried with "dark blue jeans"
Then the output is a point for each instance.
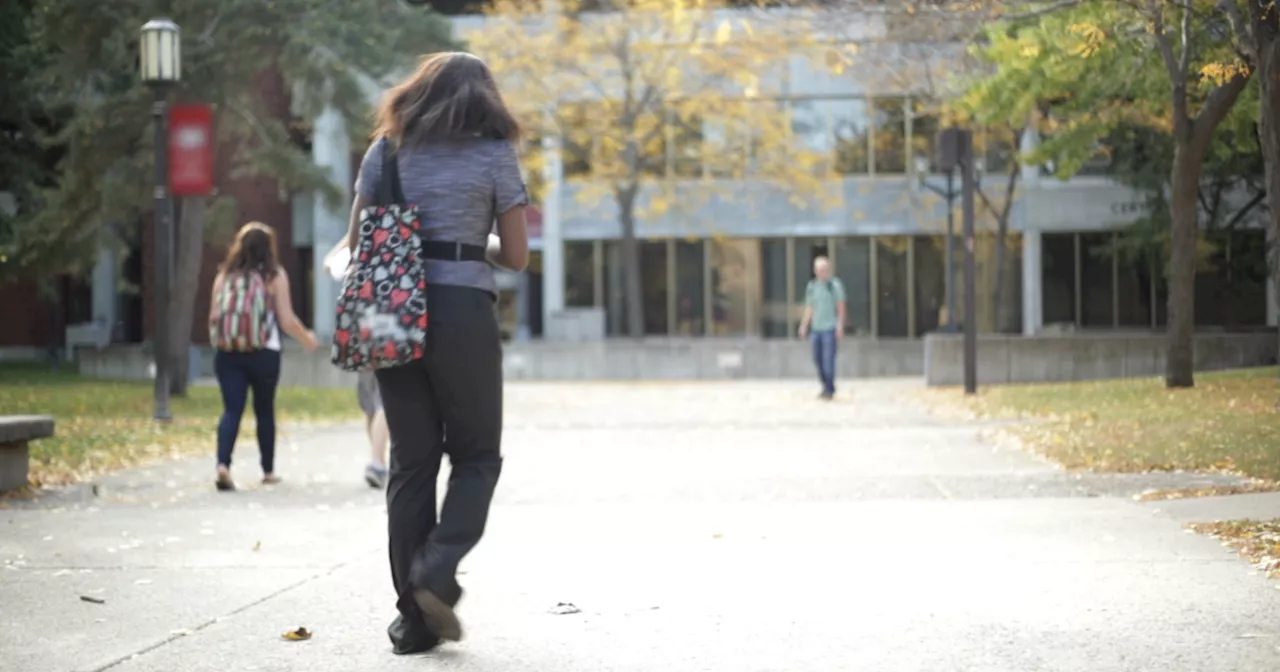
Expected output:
(237, 373)
(824, 357)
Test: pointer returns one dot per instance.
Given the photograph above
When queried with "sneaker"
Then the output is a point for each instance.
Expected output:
(375, 476)
(224, 482)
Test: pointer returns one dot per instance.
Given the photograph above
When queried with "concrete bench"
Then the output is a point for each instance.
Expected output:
(15, 432)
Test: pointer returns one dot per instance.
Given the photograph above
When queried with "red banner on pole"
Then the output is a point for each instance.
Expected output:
(191, 149)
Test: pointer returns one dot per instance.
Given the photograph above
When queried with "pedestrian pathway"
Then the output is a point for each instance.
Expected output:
(700, 526)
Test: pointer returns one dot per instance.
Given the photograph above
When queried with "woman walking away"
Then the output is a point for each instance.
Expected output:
(336, 262)
(447, 135)
(249, 307)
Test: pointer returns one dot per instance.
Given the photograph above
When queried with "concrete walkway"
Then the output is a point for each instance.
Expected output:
(736, 527)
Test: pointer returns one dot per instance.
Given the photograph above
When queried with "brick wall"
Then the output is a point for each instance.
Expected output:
(25, 319)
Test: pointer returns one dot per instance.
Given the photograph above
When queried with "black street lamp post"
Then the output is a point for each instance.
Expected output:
(161, 69)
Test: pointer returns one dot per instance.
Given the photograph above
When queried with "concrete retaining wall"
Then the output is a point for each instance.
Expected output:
(133, 362)
(659, 359)
(1086, 356)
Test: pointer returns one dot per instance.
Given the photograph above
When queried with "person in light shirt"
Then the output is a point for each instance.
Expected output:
(375, 473)
(823, 322)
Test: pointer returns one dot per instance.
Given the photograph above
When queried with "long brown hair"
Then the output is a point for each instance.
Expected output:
(254, 250)
(452, 96)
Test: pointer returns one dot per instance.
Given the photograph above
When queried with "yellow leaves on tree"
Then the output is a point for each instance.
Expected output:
(1219, 73)
(657, 89)
(1091, 38)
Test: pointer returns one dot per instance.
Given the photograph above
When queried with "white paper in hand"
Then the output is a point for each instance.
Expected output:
(337, 260)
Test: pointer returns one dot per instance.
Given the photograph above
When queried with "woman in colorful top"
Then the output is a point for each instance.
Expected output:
(453, 142)
(250, 305)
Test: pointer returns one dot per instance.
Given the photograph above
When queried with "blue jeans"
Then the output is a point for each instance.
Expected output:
(824, 357)
(239, 372)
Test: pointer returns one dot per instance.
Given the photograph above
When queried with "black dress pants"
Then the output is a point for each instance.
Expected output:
(447, 403)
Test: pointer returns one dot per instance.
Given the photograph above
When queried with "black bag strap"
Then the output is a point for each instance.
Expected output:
(390, 191)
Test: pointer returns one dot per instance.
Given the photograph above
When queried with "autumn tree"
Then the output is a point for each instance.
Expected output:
(659, 102)
(1099, 64)
(923, 48)
(82, 61)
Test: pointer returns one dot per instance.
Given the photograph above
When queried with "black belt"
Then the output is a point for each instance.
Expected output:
(445, 251)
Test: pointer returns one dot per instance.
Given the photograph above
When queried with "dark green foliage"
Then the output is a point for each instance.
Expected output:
(81, 156)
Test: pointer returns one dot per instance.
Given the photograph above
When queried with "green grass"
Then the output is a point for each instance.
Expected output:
(1228, 422)
(105, 425)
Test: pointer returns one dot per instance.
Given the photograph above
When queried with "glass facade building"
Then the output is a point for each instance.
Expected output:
(730, 255)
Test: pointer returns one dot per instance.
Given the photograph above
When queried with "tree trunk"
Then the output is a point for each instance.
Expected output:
(631, 272)
(1187, 167)
(188, 260)
(1002, 216)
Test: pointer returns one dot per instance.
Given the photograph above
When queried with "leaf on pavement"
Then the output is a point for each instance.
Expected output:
(300, 635)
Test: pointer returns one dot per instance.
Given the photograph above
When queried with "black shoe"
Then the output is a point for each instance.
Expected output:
(827, 396)
(438, 615)
(406, 641)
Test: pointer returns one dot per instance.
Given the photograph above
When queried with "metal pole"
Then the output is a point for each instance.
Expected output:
(164, 253)
(552, 234)
(951, 249)
(970, 267)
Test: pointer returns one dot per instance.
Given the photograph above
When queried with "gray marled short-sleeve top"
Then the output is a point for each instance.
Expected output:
(460, 188)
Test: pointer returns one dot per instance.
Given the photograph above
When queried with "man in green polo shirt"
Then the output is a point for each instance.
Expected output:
(823, 322)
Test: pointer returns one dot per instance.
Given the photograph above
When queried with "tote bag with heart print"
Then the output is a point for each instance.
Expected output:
(382, 309)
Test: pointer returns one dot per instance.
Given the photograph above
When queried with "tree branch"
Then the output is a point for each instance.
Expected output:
(1204, 203)
(1220, 101)
(1246, 41)
(1177, 76)
(1184, 61)
(1244, 210)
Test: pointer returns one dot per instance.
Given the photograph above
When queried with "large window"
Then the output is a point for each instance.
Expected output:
(931, 283)
(1059, 278)
(1247, 284)
(1231, 290)
(579, 274)
(653, 288)
(1010, 316)
(891, 276)
(578, 142)
(924, 139)
(999, 147)
(890, 118)
(1097, 291)
(725, 147)
(773, 285)
(653, 274)
(614, 290)
(834, 131)
(690, 287)
(685, 132)
(735, 267)
(1138, 285)
(853, 267)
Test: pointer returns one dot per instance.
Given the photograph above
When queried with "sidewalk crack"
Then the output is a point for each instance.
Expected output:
(238, 610)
